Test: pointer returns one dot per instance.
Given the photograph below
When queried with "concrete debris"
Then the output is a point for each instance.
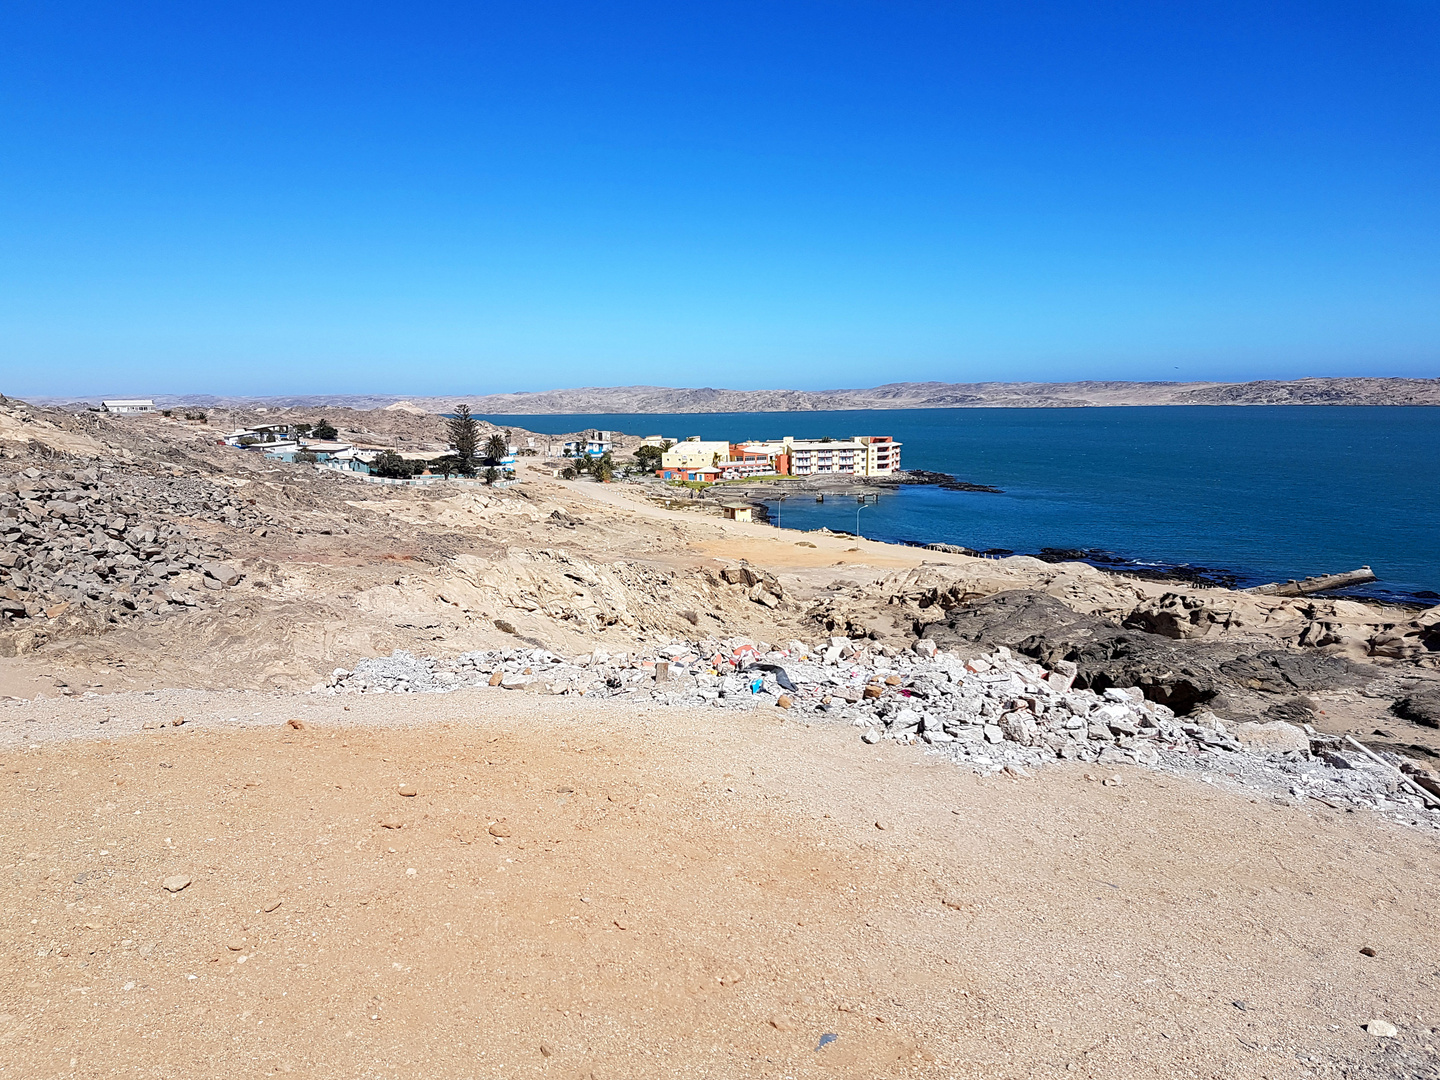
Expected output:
(997, 713)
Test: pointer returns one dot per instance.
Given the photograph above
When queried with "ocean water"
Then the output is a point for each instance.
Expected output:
(1264, 493)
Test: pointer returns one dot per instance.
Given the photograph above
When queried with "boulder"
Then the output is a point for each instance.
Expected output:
(1179, 616)
(1272, 737)
(1421, 707)
(223, 572)
(1297, 711)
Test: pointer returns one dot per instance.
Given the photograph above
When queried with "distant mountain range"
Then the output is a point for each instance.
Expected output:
(926, 395)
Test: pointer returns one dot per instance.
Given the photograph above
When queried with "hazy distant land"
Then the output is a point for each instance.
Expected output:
(924, 395)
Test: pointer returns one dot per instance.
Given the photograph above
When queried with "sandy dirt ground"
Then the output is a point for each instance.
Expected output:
(588, 889)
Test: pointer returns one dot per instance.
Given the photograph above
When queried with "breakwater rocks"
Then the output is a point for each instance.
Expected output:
(935, 479)
(80, 549)
(993, 713)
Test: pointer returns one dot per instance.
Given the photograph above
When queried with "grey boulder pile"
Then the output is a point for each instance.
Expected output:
(105, 545)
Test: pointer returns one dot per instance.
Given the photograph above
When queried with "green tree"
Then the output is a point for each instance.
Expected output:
(603, 468)
(492, 474)
(648, 457)
(325, 431)
(390, 464)
(464, 439)
(450, 465)
(496, 447)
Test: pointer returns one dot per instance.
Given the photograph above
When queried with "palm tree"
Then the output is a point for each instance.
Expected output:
(496, 448)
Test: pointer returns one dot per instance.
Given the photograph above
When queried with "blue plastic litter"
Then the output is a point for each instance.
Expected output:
(826, 1040)
(757, 686)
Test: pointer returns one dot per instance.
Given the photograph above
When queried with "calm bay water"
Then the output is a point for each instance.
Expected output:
(1264, 492)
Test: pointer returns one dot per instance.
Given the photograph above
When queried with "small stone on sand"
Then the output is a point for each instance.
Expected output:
(272, 905)
(407, 791)
(175, 883)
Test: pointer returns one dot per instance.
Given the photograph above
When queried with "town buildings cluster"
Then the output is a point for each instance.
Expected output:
(688, 460)
(696, 459)
(283, 442)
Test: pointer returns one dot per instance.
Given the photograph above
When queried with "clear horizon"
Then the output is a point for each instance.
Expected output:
(282, 200)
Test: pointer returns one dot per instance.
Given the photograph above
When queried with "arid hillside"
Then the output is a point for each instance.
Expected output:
(926, 395)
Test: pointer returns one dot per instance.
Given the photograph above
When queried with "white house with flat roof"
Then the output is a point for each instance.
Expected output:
(128, 405)
(593, 444)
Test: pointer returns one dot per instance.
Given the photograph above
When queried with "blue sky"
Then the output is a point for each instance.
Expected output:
(441, 198)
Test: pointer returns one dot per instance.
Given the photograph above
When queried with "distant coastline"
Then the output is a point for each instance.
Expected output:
(923, 395)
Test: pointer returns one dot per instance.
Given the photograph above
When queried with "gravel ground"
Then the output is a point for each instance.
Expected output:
(623, 889)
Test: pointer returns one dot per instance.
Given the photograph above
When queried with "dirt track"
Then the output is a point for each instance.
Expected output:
(679, 893)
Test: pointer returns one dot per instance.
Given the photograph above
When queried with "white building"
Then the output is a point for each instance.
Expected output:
(593, 444)
(744, 470)
(128, 405)
(694, 453)
(861, 455)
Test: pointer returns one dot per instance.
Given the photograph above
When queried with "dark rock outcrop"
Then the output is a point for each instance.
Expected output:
(1180, 674)
(1104, 653)
(1419, 708)
(1281, 672)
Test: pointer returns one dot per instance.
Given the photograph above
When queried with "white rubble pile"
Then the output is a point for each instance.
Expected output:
(995, 713)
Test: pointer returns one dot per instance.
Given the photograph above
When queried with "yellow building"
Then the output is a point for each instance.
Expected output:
(695, 452)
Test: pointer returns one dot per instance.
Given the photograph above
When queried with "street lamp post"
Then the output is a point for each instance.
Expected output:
(863, 501)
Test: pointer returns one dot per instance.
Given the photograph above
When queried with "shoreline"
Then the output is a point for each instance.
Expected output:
(765, 493)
